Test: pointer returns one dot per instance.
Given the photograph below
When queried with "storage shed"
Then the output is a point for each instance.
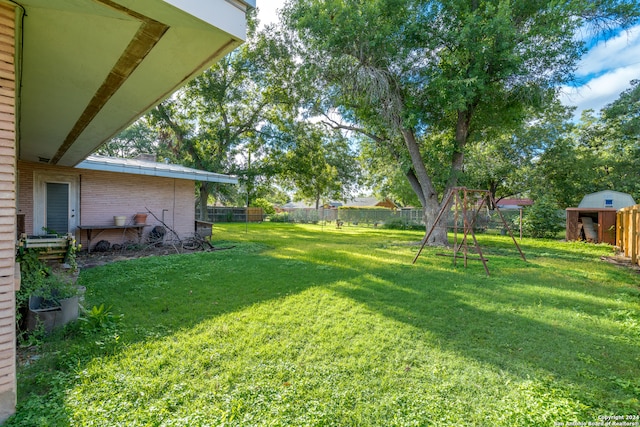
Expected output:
(594, 220)
(607, 199)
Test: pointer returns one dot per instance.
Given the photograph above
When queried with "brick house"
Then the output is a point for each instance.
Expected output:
(99, 188)
(72, 75)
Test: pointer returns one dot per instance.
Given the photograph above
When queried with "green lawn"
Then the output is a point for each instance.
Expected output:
(303, 325)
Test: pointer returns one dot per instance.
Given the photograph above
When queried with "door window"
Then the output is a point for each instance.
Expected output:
(57, 207)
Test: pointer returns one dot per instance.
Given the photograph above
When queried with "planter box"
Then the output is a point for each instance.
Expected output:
(52, 247)
(51, 317)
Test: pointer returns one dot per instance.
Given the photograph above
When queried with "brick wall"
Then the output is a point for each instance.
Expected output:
(104, 195)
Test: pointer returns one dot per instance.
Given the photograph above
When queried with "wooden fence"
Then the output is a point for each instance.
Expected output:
(628, 232)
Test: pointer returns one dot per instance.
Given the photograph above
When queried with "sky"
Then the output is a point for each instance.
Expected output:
(603, 73)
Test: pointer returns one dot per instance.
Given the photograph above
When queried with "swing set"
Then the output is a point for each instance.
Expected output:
(467, 204)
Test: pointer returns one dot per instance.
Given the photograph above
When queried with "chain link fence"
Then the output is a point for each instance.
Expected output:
(486, 220)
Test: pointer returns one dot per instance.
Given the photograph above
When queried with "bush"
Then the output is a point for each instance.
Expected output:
(401, 224)
(34, 274)
(40, 280)
(542, 220)
(267, 207)
(279, 217)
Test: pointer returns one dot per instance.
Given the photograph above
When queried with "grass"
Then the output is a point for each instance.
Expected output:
(302, 325)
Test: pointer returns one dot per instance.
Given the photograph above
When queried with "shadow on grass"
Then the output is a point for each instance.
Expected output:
(551, 328)
(544, 327)
(159, 297)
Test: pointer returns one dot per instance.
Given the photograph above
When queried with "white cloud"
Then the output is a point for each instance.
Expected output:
(601, 90)
(619, 51)
(605, 71)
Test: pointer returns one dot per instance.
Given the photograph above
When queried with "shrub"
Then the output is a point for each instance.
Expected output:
(401, 224)
(279, 217)
(266, 206)
(33, 274)
(542, 220)
(99, 319)
(40, 280)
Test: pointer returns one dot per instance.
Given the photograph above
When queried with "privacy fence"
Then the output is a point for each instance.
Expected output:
(628, 232)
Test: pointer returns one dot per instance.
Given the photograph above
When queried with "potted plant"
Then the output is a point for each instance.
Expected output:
(54, 304)
(47, 296)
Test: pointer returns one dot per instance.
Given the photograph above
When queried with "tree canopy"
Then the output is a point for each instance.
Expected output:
(427, 94)
(410, 73)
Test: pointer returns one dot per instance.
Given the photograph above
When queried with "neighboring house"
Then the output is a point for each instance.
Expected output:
(370, 202)
(72, 75)
(362, 202)
(62, 198)
(510, 203)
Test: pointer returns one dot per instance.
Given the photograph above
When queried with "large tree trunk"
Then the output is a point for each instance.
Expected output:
(423, 186)
(438, 236)
(432, 208)
(203, 198)
(421, 183)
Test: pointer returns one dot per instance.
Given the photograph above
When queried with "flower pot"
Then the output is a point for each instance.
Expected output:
(119, 220)
(140, 218)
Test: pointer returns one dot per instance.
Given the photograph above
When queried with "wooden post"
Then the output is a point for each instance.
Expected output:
(619, 216)
(633, 236)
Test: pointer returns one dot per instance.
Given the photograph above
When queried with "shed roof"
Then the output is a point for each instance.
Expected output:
(146, 167)
(607, 199)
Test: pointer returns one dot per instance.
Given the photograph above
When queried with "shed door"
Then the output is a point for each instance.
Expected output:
(57, 207)
(608, 227)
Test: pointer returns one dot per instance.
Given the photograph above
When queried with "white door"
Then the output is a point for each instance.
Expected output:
(56, 200)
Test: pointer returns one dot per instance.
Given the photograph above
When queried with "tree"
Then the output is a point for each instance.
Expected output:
(404, 71)
(139, 138)
(383, 174)
(215, 120)
(542, 220)
(319, 165)
(624, 112)
(513, 163)
(621, 119)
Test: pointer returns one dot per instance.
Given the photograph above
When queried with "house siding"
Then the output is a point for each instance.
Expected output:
(104, 195)
(7, 212)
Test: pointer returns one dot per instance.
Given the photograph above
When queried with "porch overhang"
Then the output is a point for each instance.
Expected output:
(89, 68)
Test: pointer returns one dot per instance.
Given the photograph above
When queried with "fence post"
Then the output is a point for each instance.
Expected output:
(633, 231)
(619, 229)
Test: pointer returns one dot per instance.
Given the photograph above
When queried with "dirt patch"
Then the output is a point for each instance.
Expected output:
(95, 259)
(621, 261)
